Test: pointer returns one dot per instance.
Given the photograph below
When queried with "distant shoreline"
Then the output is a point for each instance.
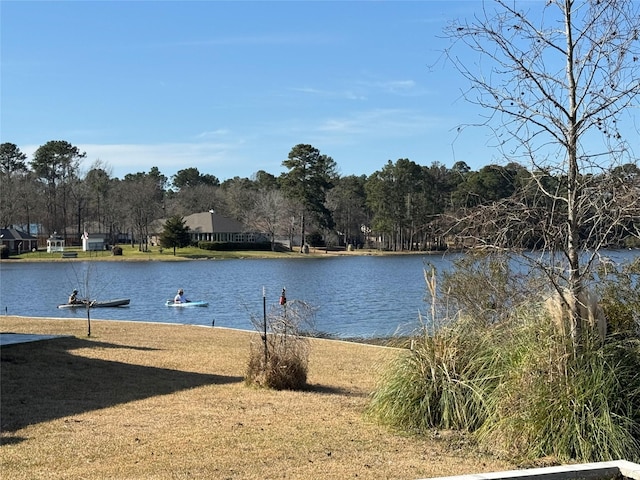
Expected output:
(194, 253)
(197, 254)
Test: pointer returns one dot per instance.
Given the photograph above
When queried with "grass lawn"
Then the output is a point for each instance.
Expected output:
(160, 401)
(153, 253)
(190, 253)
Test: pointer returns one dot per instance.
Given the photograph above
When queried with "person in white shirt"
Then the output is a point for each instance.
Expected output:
(180, 298)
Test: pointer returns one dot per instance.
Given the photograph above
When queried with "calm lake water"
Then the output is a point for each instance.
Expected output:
(359, 296)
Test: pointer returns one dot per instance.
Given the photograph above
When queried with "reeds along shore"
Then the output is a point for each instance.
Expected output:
(153, 401)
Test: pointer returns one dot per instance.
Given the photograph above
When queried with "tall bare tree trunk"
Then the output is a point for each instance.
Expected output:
(573, 190)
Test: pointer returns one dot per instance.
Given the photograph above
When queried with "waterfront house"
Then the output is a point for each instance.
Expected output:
(212, 227)
(17, 241)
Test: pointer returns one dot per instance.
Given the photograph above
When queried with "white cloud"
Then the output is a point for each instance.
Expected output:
(346, 94)
(381, 123)
(214, 133)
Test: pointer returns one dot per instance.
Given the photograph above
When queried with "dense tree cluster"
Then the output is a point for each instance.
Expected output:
(401, 206)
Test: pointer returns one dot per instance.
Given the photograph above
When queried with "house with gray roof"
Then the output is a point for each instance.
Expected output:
(211, 227)
(17, 241)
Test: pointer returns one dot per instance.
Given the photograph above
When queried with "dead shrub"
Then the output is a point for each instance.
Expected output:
(279, 360)
(285, 368)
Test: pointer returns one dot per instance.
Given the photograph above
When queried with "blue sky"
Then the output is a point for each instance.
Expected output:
(230, 87)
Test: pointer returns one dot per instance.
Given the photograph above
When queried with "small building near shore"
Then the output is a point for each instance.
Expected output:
(17, 241)
(93, 242)
(55, 243)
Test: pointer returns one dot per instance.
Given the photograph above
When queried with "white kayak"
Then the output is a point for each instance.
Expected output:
(120, 302)
(171, 303)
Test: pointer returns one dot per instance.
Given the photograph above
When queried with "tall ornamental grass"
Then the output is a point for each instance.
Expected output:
(516, 385)
(431, 385)
(550, 404)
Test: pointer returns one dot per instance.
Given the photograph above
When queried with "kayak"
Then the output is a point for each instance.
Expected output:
(171, 303)
(120, 302)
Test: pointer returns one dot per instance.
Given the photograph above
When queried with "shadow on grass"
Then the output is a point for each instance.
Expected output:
(42, 381)
(328, 390)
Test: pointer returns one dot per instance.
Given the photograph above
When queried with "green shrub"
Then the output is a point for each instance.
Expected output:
(631, 242)
(4, 251)
(620, 293)
(315, 239)
(234, 246)
(487, 287)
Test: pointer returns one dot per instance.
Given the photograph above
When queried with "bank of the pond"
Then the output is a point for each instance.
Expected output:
(193, 253)
(143, 401)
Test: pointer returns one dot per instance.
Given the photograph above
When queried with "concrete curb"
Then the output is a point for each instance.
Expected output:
(582, 471)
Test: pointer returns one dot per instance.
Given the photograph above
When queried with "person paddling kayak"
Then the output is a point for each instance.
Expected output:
(73, 298)
(180, 298)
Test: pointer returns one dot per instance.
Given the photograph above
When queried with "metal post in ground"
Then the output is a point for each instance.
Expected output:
(264, 324)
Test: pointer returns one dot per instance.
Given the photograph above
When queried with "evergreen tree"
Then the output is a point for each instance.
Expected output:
(310, 176)
(175, 233)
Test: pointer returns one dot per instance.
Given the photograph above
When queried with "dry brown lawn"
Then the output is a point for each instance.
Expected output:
(157, 401)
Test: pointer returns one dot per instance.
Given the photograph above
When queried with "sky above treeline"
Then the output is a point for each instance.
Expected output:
(230, 87)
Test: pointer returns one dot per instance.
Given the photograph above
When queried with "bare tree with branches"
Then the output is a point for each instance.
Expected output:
(562, 79)
(271, 213)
